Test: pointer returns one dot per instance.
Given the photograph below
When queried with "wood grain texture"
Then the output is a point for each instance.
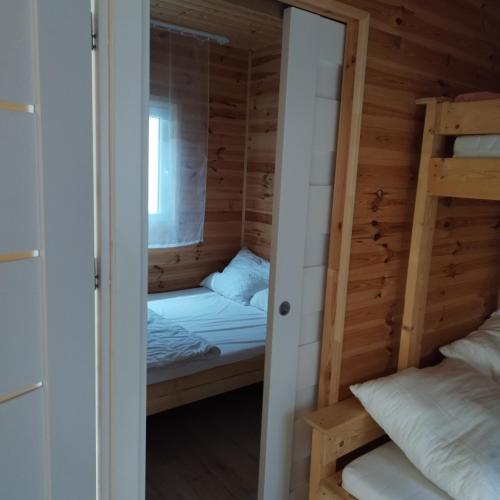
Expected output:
(201, 385)
(420, 258)
(248, 24)
(178, 268)
(342, 218)
(261, 147)
(466, 178)
(416, 49)
(207, 450)
(480, 117)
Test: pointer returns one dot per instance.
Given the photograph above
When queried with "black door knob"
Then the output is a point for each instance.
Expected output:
(284, 308)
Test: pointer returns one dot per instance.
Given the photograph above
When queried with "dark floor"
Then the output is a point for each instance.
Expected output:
(208, 450)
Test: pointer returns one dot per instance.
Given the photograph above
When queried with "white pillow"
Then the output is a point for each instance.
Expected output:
(260, 300)
(446, 419)
(242, 278)
(480, 349)
(209, 281)
(245, 260)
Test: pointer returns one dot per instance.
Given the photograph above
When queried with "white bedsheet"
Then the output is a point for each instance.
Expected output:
(477, 146)
(238, 331)
(169, 343)
(386, 474)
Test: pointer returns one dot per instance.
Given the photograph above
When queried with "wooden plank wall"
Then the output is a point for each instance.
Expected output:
(417, 48)
(178, 268)
(261, 147)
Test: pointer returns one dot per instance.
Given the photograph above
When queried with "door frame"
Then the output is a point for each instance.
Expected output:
(121, 94)
(122, 89)
(344, 192)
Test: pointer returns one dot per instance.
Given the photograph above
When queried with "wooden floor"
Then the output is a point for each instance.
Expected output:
(208, 450)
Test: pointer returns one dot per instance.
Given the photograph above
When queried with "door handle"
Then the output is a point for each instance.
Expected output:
(284, 308)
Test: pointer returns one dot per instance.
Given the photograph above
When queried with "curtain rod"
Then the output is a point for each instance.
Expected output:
(222, 40)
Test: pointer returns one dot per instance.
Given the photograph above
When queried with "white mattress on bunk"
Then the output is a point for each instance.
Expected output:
(386, 474)
(470, 146)
(239, 331)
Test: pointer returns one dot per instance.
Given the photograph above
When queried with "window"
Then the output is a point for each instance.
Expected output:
(163, 164)
(178, 143)
(154, 166)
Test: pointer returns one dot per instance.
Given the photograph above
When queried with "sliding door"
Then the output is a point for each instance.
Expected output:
(308, 115)
(47, 392)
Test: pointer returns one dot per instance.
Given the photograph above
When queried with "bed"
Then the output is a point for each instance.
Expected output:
(238, 331)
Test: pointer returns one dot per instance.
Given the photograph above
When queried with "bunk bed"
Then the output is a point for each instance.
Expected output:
(346, 427)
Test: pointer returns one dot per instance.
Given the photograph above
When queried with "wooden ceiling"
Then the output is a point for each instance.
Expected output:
(249, 24)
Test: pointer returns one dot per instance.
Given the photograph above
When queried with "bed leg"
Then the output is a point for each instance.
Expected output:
(319, 469)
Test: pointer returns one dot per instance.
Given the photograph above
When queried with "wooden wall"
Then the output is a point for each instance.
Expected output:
(178, 268)
(417, 48)
(261, 147)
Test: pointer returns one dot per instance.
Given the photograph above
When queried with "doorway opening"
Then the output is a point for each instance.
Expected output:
(214, 95)
(242, 147)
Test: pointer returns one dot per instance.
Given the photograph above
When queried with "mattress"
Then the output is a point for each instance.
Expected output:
(386, 474)
(238, 331)
(477, 146)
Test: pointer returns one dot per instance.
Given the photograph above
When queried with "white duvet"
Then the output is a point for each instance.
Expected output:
(170, 343)
(238, 331)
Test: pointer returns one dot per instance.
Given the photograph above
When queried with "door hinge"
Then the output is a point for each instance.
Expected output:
(93, 31)
(97, 273)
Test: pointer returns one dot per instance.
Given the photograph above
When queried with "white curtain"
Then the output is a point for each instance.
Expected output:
(178, 139)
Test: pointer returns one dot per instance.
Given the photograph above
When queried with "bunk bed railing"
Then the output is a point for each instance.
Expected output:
(477, 178)
(466, 118)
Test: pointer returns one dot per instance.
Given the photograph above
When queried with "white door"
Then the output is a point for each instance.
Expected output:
(312, 53)
(47, 382)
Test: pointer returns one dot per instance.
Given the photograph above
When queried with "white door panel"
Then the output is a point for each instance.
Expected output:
(323, 168)
(18, 182)
(295, 128)
(325, 122)
(22, 325)
(329, 79)
(22, 454)
(47, 338)
(16, 53)
(66, 135)
(307, 130)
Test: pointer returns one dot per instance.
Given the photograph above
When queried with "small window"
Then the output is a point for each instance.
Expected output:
(154, 166)
(178, 144)
(164, 164)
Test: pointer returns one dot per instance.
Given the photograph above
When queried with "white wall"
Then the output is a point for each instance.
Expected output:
(330, 45)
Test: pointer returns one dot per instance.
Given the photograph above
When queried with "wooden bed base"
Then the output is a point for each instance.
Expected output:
(346, 426)
(180, 391)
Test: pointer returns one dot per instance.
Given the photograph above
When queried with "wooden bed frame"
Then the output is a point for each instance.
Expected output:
(345, 426)
(183, 390)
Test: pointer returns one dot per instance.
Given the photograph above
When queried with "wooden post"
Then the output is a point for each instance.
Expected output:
(344, 192)
(319, 469)
(424, 222)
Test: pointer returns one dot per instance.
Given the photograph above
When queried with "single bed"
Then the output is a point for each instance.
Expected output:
(239, 332)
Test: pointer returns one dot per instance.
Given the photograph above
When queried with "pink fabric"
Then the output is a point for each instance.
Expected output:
(477, 96)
